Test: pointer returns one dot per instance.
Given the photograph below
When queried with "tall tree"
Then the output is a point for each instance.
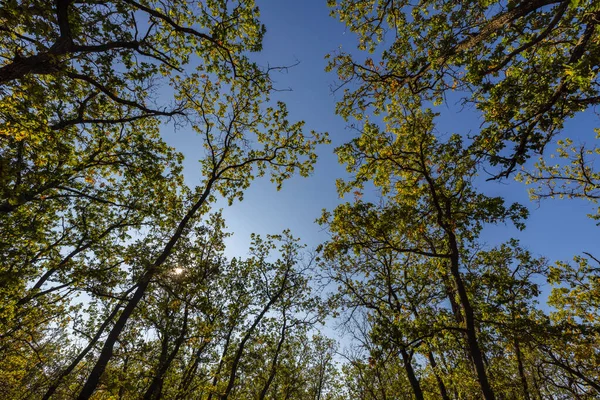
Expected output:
(429, 209)
(488, 52)
(483, 54)
(89, 188)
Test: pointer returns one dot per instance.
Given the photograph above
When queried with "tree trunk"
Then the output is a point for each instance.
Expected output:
(189, 374)
(81, 355)
(410, 372)
(273, 371)
(154, 392)
(242, 345)
(107, 350)
(221, 361)
(440, 382)
(474, 349)
(522, 371)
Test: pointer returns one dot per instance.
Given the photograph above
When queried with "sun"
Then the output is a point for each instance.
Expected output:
(178, 270)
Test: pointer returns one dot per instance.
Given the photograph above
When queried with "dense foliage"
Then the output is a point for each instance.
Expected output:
(114, 282)
(113, 279)
(452, 316)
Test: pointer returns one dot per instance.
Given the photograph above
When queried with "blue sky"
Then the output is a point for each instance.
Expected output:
(303, 31)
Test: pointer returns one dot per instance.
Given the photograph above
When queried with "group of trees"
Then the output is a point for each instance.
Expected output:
(114, 283)
(438, 313)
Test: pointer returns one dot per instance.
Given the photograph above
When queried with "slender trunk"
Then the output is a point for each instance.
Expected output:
(124, 372)
(450, 292)
(221, 361)
(443, 207)
(154, 392)
(189, 374)
(319, 387)
(263, 392)
(322, 369)
(242, 345)
(474, 349)
(410, 372)
(107, 350)
(162, 359)
(440, 382)
(522, 371)
(450, 289)
(81, 355)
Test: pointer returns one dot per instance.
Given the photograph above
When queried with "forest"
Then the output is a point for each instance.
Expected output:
(131, 131)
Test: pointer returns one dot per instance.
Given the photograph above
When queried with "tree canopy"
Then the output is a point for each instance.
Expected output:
(116, 280)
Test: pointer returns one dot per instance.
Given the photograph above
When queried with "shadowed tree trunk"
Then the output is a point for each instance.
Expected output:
(155, 390)
(440, 382)
(274, 362)
(522, 370)
(240, 350)
(410, 373)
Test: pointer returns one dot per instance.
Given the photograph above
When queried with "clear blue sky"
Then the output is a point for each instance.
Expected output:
(301, 30)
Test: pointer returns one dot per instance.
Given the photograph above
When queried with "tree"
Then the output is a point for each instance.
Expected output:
(80, 139)
(503, 283)
(391, 305)
(226, 126)
(81, 145)
(575, 294)
(429, 210)
(79, 115)
(483, 55)
(488, 52)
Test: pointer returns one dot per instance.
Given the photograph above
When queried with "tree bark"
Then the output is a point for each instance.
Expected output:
(107, 350)
(412, 377)
(154, 392)
(440, 382)
(522, 371)
(474, 349)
